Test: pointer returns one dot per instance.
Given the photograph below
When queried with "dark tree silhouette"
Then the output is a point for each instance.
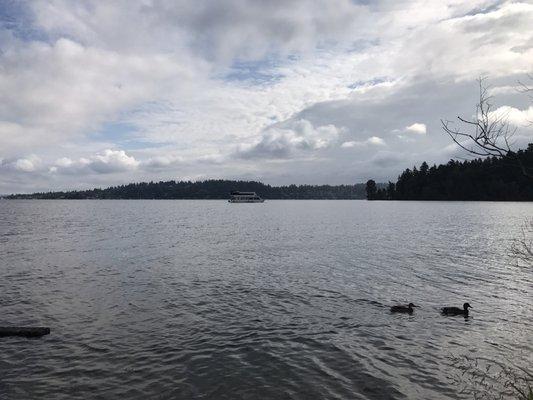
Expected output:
(491, 178)
(371, 189)
(391, 191)
(209, 189)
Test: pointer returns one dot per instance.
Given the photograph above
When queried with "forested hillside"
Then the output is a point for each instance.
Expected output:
(209, 189)
(508, 178)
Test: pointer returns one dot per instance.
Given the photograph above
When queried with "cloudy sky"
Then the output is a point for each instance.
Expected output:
(97, 93)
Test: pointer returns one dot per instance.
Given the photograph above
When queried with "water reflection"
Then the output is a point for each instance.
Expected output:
(287, 299)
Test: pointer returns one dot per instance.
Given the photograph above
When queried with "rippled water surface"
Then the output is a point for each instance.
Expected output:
(281, 300)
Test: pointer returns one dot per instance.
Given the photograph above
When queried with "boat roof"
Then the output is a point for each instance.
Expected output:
(243, 193)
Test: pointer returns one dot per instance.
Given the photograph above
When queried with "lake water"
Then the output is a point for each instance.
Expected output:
(281, 300)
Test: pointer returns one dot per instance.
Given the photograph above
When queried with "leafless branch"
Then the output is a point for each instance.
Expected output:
(522, 247)
(524, 88)
(490, 380)
(488, 134)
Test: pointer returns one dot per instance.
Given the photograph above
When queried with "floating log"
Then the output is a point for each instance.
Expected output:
(24, 331)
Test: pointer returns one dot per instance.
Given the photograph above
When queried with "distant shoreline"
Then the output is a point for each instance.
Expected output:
(286, 199)
(186, 199)
(203, 190)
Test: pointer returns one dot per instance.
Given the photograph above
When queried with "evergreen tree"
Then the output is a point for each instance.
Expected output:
(209, 189)
(491, 178)
(371, 190)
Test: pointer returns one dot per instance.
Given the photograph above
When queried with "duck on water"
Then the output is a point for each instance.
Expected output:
(403, 308)
(456, 310)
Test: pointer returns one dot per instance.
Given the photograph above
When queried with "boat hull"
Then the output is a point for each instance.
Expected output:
(246, 201)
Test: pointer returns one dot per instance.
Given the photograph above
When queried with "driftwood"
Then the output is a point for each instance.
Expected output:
(24, 331)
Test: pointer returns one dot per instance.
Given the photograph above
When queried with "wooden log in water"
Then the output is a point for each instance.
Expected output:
(25, 331)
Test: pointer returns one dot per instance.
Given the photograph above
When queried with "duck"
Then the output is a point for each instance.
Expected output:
(403, 308)
(457, 310)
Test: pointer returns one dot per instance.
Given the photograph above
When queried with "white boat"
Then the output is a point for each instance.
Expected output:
(245, 197)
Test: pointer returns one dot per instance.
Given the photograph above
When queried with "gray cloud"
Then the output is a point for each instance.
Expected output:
(293, 91)
(283, 140)
(215, 29)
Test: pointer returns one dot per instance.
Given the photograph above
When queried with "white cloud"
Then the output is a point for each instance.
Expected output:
(503, 90)
(54, 92)
(347, 145)
(193, 81)
(109, 161)
(24, 165)
(112, 161)
(162, 162)
(374, 140)
(64, 162)
(516, 117)
(29, 164)
(243, 29)
(494, 43)
(417, 128)
(283, 141)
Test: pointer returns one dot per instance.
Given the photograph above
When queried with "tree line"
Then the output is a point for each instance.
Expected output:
(491, 178)
(208, 189)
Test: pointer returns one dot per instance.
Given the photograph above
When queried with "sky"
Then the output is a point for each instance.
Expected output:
(100, 93)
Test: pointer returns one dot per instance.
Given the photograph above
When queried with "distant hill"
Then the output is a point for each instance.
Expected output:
(508, 178)
(209, 189)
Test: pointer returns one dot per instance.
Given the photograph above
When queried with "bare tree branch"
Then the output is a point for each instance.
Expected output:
(491, 379)
(488, 134)
(526, 88)
(522, 247)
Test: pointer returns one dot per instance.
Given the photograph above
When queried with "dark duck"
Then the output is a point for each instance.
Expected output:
(457, 310)
(403, 308)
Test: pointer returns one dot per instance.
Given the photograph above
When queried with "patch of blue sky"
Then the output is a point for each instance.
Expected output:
(262, 72)
(16, 18)
(140, 144)
(116, 131)
(360, 45)
(368, 83)
(369, 3)
(124, 135)
(488, 8)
